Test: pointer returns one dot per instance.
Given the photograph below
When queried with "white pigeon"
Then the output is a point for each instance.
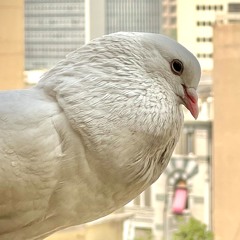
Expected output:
(97, 130)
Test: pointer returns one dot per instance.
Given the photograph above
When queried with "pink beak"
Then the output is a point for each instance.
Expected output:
(190, 100)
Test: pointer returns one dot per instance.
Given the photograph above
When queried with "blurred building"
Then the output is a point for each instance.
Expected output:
(108, 16)
(169, 18)
(133, 16)
(11, 44)
(226, 164)
(194, 23)
(53, 28)
(184, 189)
(211, 31)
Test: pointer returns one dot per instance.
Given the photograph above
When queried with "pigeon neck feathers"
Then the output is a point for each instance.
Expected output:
(112, 78)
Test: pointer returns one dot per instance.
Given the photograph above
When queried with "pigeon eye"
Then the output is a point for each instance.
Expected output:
(177, 67)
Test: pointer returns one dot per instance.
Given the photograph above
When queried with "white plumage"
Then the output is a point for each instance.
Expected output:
(97, 130)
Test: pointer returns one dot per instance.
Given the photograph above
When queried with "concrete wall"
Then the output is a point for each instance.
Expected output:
(94, 19)
(106, 231)
(11, 44)
(110, 230)
(226, 142)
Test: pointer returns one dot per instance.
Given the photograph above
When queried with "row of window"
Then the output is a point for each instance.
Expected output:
(60, 40)
(204, 55)
(210, 24)
(53, 6)
(58, 55)
(54, 34)
(204, 39)
(204, 23)
(210, 7)
(51, 49)
(48, 45)
(53, 14)
(51, 25)
(123, 15)
(41, 63)
(54, 20)
(54, 28)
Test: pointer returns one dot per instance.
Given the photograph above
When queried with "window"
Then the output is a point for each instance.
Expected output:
(172, 9)
(143, 233)
(234, 7)
(173, 20)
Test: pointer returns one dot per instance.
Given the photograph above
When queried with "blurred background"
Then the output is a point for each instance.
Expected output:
(202, 180)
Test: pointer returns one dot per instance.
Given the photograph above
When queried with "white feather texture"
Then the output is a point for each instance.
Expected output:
(98, 129)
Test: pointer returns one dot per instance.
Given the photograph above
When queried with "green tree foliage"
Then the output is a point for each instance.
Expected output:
(193, 230)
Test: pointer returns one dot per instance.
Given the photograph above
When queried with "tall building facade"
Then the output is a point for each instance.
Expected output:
(108, 16)
(11, 44)
(169, 18)
(129, 16)
(195, 21)
(226, 165)
(52, 30)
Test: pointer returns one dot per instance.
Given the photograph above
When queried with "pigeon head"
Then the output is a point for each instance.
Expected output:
(176, 65)
(128, 79)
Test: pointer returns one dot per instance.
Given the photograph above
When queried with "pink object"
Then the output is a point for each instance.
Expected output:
(179, 200)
